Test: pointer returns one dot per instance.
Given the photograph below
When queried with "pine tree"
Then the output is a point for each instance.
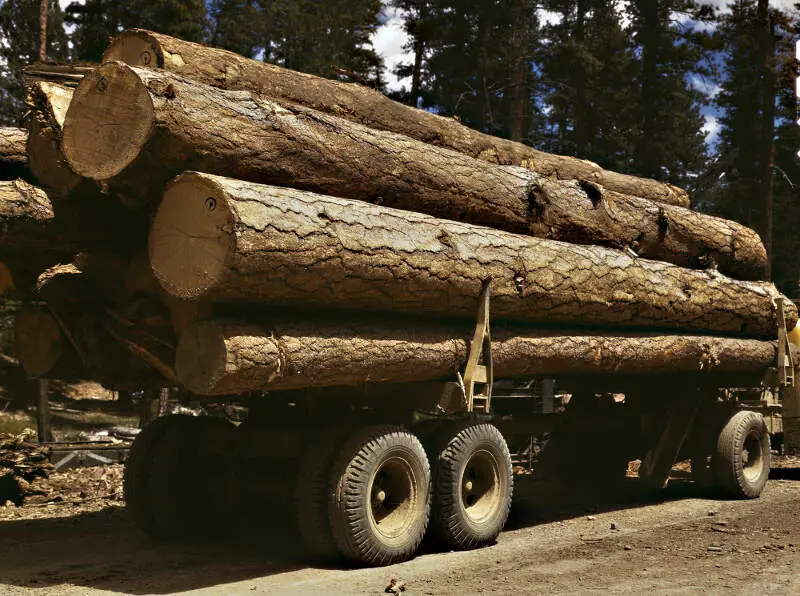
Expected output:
(235, 25)
(330, 39)
(589, 71)
(94, 23)
(740, 193)
(182, 18)
(19, 27)
(417, 26)
(478, 64)
(669, 142)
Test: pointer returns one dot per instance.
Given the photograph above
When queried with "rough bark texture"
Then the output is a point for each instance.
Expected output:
(48, 103)
(31, 221)
(13, 157)
(233, 134)
(41, 348)
(366, 106)
(236, 241)
(223, 357)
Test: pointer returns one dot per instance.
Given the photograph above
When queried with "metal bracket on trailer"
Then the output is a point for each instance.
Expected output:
(785, 361)
(479, 370)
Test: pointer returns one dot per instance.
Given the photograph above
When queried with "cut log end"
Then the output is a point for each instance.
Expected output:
(192, 236)
(215, 359)
(37, 341)
(137, 48)
(103, 135)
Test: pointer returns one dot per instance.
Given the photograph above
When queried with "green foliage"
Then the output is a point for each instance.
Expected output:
(329, 38)
(19, 27)
(668, 141)
(589, 71)
(182, 18)
(94, 23)
(236, 26)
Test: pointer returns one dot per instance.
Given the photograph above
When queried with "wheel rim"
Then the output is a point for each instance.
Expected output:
(480, 486)
(393, 497)
(752, 457)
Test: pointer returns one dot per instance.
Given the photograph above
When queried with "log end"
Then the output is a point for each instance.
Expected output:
(136, 47)
(37, 341)
(109, 120)
(192, 236)
(217, 358)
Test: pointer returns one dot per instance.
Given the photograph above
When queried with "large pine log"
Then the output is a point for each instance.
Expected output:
(13, 158)
(224, 357)
(134, 129)
(236, 241)
(48, 103)
(366, 106)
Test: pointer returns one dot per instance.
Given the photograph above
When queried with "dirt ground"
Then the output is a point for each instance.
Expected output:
(674, 541)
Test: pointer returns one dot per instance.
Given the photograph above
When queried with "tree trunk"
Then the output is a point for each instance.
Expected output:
(43, 6)
(223, 357)
(132, 132)
(768, 126)
(236, 241)
(363, 105)
(48, 103)
(13, 157)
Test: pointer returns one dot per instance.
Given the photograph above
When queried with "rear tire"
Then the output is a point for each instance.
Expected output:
(380, 496)
(742, 457)
(312, 491)
(171, 488)
(473, 486)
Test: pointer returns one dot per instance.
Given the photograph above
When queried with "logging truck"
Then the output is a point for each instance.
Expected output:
(370, 470)
(319, 251)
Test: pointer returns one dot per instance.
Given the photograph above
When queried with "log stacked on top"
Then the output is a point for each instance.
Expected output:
(374, 223)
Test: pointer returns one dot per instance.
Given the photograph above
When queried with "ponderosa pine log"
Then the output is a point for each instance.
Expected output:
(48, 103)
(13, 157)
(41, 348)
(224, 357)
(227, 240)
(369, 107)
(134, 129)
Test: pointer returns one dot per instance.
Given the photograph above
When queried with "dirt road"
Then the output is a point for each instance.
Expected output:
(672, 542)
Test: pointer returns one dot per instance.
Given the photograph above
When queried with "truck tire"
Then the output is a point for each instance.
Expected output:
(138, 470)
(472, 487)
(742, 456)
(170, 488)
(380, 496)
(312, 490)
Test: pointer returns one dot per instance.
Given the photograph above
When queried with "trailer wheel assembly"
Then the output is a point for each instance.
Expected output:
(312, 492)
(473, 485)
(742, 457)
(380, 496)
(171, 488)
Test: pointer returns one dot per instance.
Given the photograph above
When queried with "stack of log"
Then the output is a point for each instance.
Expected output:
(233, 226)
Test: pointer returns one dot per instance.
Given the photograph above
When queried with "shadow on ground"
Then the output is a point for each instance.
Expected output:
(105, 551)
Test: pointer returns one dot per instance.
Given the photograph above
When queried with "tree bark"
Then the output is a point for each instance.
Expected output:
(365, 106)
(224, 357)
(139, 128)
(13, 157)
(227, 240)
(43, 5)
(41, 348)
(48, 103)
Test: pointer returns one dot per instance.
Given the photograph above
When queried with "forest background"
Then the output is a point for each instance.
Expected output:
(698, 94)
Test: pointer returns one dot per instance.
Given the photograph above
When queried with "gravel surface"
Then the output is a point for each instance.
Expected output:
(671, 542)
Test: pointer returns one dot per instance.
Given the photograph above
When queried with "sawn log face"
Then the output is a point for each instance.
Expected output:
(236, 241)
(366, 106)
(163, 125)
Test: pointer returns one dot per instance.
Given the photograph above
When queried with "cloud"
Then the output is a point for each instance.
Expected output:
(711, 130)
(388, 42)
